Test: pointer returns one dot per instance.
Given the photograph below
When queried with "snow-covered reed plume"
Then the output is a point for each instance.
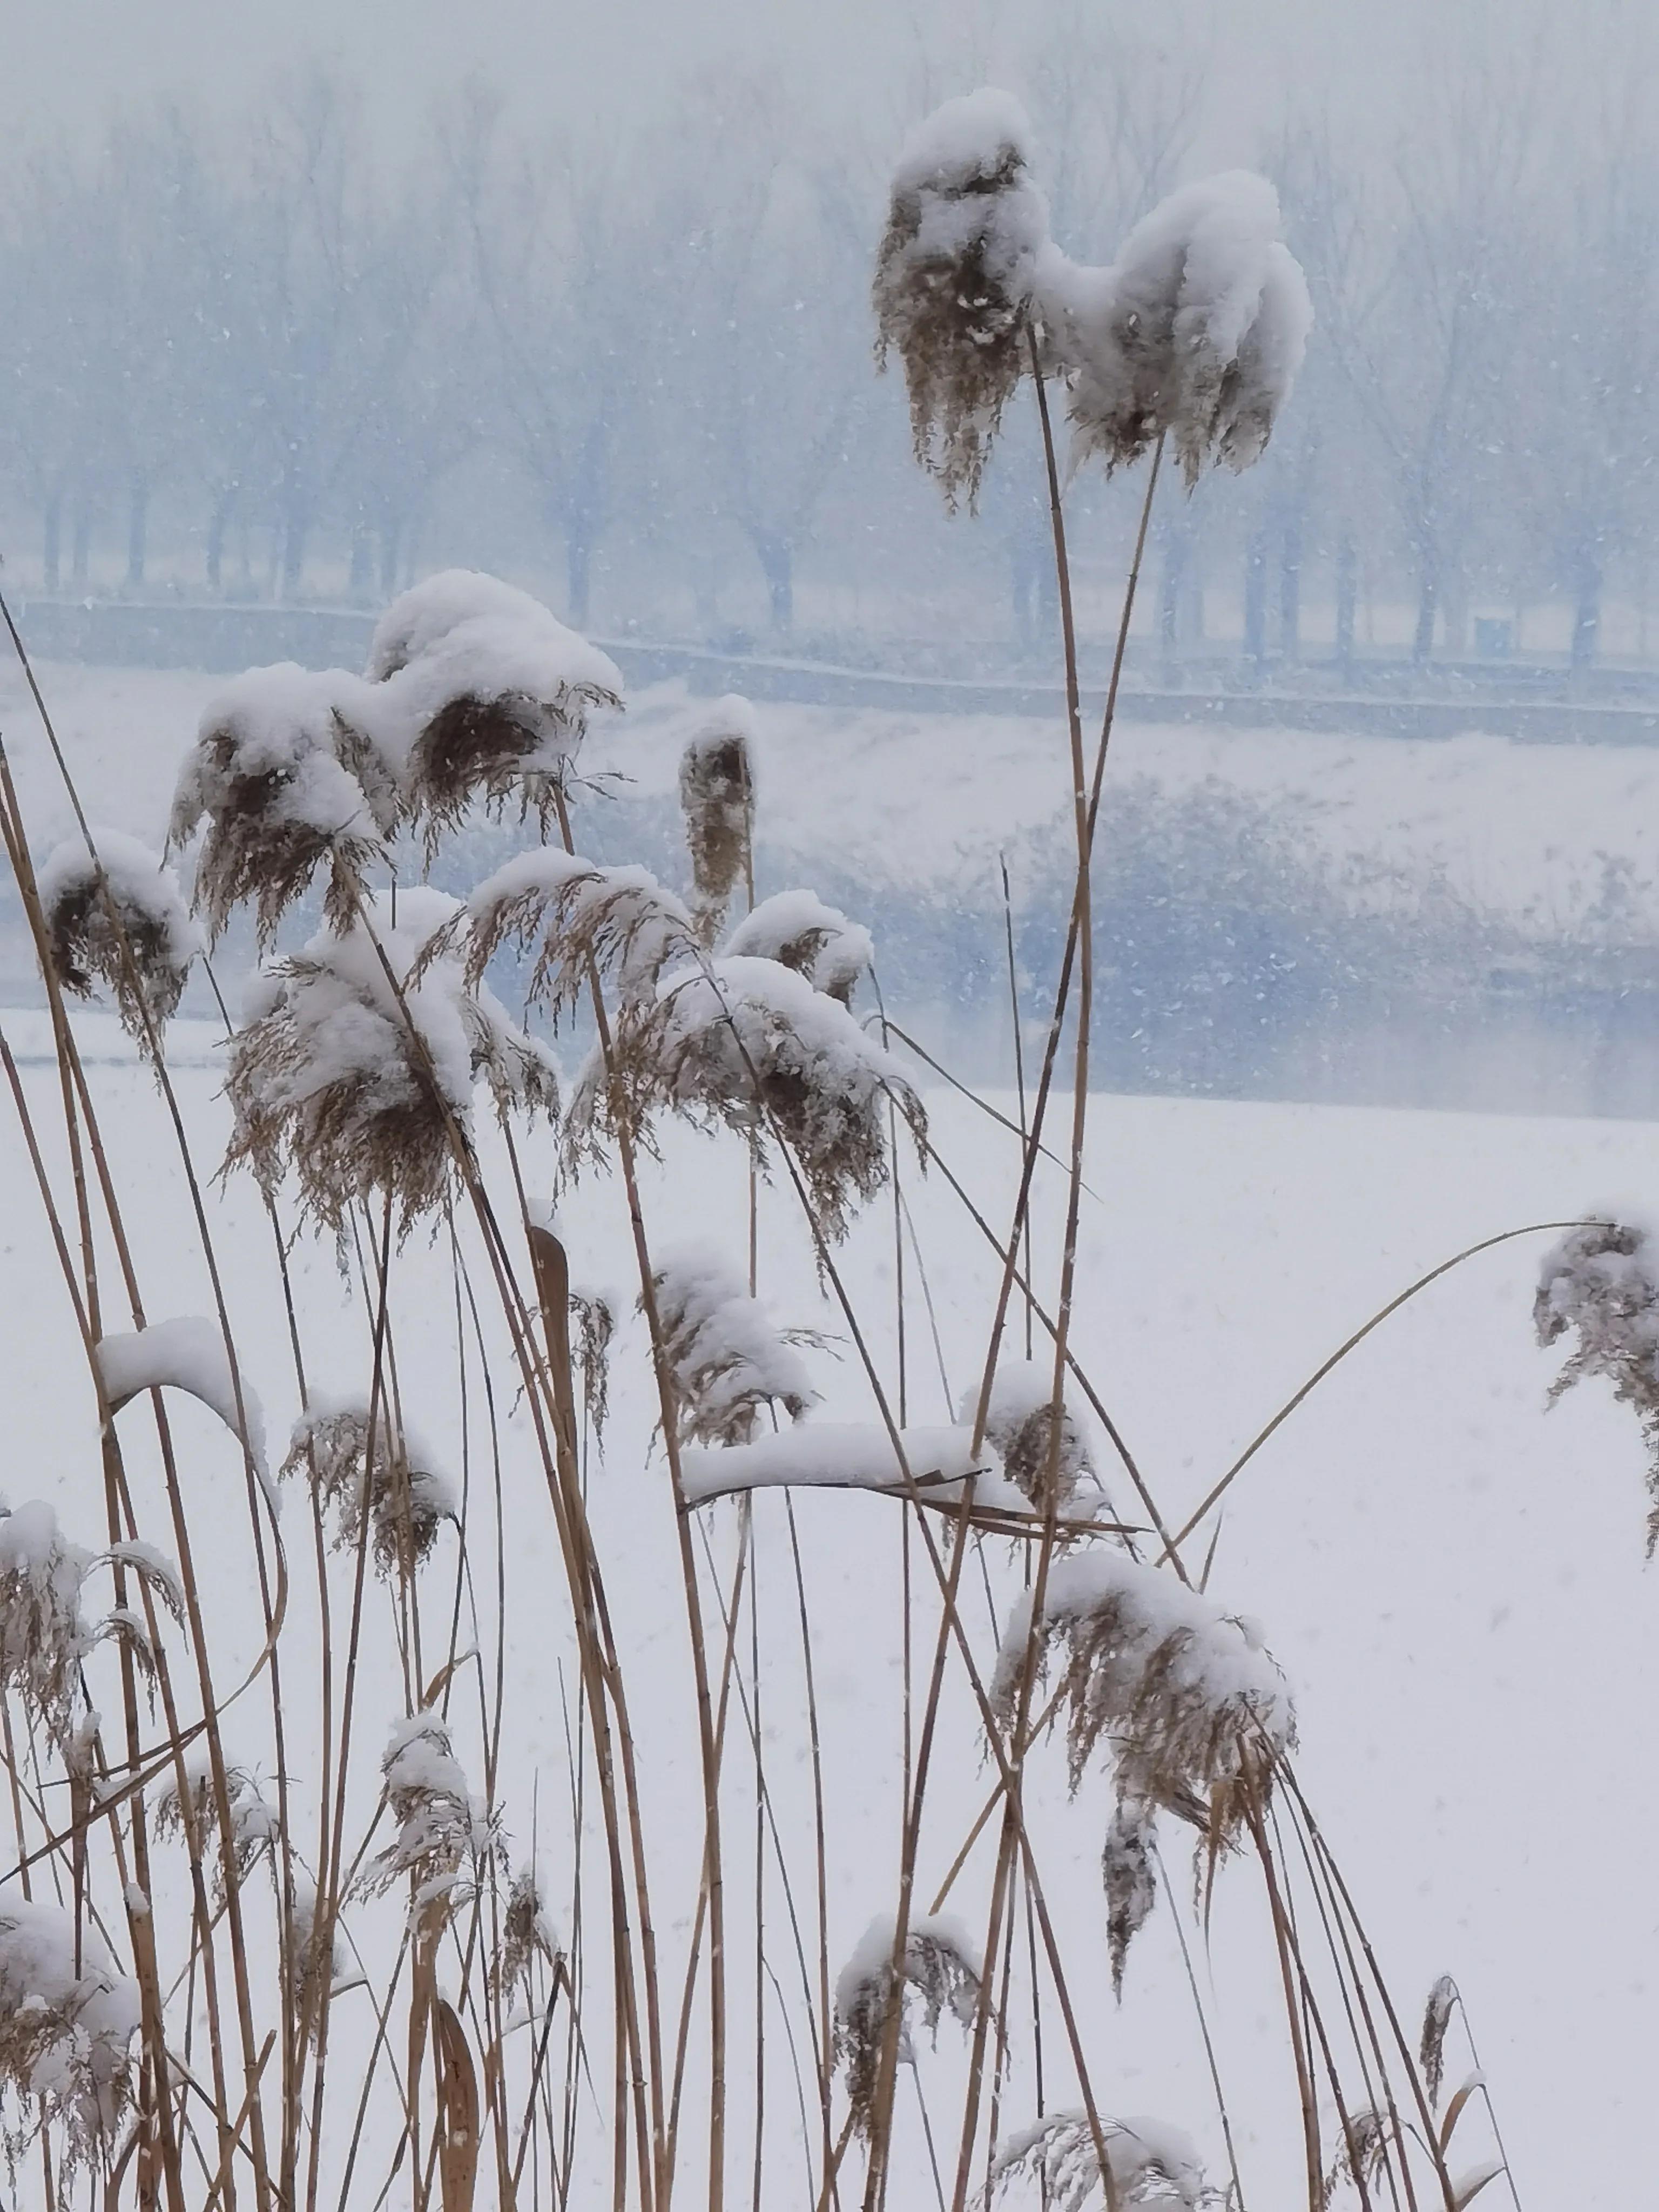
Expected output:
(1192, 1708)
(1151, 2163)
(406, 1499)
(717, 799)
(953, 279)
(447, 1841)
(189, 1813)
(748, 1044)
(67, 2023)
(1129, 1873)
(358, 1085)
(44, 1638)
(619, 922)
(942, 1974)
(527, 1935)
(1602, 1282)
(119, 919)
(1019, 1426)
(797, 929)
(1196, 332)
(319, 1957)
(731, 1363)
(269, 774)
(487, 695)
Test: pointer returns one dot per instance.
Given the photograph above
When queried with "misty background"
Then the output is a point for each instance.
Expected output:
(297, 307)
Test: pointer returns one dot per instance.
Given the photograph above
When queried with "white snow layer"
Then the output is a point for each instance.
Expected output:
(853, 1456)
(798, 929)
(139, 881)
(187, 1353)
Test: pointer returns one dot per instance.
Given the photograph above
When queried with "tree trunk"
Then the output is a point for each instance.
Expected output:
(296, 524)
(52, 546)
(362, 563)
(81, 547)
(1172, 582)
(1290, 591)
(1587, 613)
(1428, 601)
(578, 573)
(138, 529)
(777, 560)
(1347, 594)
(224, 502)
(1255, 604)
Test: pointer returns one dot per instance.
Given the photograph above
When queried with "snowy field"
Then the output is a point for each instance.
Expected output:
(1529, 831)
(1453, 1582)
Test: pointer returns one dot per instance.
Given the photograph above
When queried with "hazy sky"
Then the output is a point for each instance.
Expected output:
(78, 58)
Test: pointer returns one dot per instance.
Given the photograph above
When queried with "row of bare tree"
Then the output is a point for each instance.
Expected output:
(289, 364)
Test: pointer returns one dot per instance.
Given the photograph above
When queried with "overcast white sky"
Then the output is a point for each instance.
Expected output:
(72, 60)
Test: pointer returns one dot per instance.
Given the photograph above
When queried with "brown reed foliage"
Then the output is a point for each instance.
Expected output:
(952, 283)
(717, 804)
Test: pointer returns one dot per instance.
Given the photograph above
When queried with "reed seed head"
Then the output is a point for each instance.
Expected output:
(953, 280)
(717, 801)
(942, 1972)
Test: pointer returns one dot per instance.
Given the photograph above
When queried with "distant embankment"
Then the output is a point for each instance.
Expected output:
(115, 634)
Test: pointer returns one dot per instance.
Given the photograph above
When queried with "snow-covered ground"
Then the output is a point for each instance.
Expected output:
(1453, 1582)
(1526, 831)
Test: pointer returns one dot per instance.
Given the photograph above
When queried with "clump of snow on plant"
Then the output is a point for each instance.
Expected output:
(717, 804)
(1601, 1284)
(954, 274)
(289, 782)
(730, 1362)
(1192, 1706)
(114, 911)
(1019, 1426)
(941, 1971)
(1195, 331)
(445, 1836)
(43, 1637)
(66, 2021)
(748, 1044)
(363, 1459)
(797, 929)
(618, 921)
(186, 1353)
(1150, 2163)
(360, 1056)
(854, 1456)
